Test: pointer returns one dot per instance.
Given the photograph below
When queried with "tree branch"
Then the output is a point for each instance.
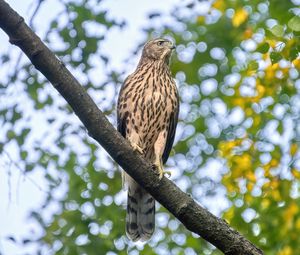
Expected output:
(182, 206)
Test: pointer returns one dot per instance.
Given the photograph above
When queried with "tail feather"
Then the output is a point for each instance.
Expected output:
(140, 218)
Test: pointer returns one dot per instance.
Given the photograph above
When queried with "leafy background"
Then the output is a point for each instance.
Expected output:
(237, 69)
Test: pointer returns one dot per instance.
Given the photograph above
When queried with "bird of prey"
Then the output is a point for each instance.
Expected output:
(147, 113)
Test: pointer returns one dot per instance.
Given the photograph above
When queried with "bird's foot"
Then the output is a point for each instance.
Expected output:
(137, 148)
(161, 171)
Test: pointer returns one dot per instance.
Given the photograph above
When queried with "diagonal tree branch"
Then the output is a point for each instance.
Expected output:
(182, 206)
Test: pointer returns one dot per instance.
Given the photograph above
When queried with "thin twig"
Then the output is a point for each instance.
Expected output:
(22, 171)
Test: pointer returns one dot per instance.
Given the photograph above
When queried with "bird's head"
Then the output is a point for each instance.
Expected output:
(158, 49)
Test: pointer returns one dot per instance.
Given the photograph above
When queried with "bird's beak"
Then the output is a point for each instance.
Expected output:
(172, 46)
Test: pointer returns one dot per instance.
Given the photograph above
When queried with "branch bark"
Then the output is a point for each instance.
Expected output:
(181, 205)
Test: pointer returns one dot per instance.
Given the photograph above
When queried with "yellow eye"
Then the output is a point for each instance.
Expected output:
(160, 43)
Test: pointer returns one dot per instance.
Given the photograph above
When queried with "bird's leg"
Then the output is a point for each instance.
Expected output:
(134, 140)
(159, 166)
(159, 147)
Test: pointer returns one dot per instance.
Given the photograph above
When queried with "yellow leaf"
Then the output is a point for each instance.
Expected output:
(287, 250)
(289, 215)
(256, 120)
(275, 66)
(239, 101)
(260, 93)
(274, 162)
(298, 224)
(260, 90)
(270, 71)
(266, 185)
(296, 63)
(219, 5)
(243, 162)
(248, 198)
(230, 187)
(250, 186)
(227, 146)
(274, 184)
(272, 43)
(248, 112)
(291, 211)
(276, 195)
(266, 56)
(296, 173)
(293, 149)
(239, 17)
(201, 19)
(251, 176)
(265, 203)
(285, 71)
(248, 33)
(229, 214)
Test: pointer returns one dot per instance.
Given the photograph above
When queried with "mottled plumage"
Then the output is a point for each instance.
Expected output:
(147, 112)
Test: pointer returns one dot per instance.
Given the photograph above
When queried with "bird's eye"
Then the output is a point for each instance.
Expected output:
(160, 43)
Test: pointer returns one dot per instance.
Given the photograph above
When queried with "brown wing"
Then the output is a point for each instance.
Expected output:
(171, 132)
(121, 126)
(121, 115)
(121, 123)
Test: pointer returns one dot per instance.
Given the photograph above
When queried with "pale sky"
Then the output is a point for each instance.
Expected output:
(18, 194)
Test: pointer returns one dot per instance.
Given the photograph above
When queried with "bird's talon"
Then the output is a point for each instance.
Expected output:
(137, 148)
(168, 174)
(161, 171)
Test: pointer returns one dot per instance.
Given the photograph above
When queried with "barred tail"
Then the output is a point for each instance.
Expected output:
(140, 218)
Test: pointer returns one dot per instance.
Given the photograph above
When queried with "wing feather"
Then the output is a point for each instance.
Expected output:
(171, 132)
(121, 115)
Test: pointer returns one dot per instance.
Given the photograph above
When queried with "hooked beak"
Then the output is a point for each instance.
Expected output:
(172, 46)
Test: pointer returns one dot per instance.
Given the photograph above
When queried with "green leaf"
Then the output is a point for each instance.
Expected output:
(293, 53)
(16, 116)
(10, 134)
(253, 65)
(29, 167)
(24, 155)
(294, 23)
(263, 48)
(277, 30)
(21, 138)
(275, 57)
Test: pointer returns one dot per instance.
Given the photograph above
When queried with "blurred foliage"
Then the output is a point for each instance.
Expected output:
(244, 58)
(237, 68)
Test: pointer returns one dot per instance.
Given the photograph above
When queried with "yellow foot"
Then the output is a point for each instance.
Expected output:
(137, 148)
(161, 171)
